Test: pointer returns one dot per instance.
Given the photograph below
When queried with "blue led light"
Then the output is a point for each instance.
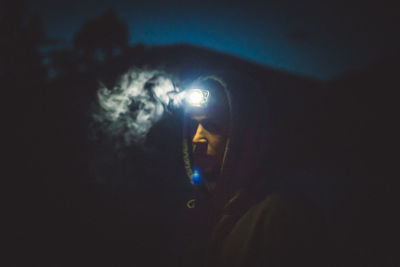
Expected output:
(196, 177)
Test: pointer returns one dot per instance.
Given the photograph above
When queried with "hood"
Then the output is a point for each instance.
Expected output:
(245, 160)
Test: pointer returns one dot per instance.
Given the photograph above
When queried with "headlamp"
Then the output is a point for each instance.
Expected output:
(197, 97)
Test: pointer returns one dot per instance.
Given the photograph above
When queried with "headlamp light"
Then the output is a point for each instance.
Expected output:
(197, 97)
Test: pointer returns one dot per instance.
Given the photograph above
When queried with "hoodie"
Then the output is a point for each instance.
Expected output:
(248, 220)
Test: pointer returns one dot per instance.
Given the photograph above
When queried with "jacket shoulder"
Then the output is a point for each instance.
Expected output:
(273, 231)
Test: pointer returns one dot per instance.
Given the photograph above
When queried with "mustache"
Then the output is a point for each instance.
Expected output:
(200, 149)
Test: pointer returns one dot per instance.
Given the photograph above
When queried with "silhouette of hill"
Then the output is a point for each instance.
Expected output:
(186, 60)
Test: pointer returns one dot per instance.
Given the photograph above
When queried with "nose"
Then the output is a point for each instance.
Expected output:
(200, 141)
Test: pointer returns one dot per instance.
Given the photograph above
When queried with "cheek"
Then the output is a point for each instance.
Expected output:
(216, 145)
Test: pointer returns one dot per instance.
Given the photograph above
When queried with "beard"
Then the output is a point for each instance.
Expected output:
(208, 166)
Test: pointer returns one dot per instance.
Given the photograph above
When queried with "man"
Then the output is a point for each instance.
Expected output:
(238, 216)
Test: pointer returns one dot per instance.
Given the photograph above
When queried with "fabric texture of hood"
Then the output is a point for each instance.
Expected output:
(245, 160)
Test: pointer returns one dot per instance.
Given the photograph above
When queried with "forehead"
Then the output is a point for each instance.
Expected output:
(215, 125)
(212, 115)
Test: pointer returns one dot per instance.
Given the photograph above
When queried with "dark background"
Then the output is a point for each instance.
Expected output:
(72, 199)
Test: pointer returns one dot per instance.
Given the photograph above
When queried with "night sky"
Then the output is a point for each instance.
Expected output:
(321, 39)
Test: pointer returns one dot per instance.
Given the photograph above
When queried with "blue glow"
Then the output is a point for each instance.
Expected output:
(196, 177)
(261, 31)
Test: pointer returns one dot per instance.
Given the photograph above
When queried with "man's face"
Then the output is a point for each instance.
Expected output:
(208, 142)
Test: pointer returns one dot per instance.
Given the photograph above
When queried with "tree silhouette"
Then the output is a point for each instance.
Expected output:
(21, 37)
(63, 63)
(102, 37)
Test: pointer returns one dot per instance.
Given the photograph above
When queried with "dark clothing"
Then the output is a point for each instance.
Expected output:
(275, 231)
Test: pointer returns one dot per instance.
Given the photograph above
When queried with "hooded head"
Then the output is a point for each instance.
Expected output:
(226, 139)
(207, 128)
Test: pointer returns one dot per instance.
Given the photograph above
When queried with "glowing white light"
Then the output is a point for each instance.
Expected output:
(195, 98)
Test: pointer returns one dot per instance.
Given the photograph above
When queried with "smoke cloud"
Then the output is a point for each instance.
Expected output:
(135, 104)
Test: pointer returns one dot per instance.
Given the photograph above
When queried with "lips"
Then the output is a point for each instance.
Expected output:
(202, 160)
(201, 157)
(200, 149)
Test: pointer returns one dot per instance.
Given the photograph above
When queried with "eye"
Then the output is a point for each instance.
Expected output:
(212, 126)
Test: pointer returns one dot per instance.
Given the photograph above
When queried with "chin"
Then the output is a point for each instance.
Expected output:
(206, 165)
(209, 173)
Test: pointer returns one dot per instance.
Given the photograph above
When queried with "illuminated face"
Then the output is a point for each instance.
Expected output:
(208, 142)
